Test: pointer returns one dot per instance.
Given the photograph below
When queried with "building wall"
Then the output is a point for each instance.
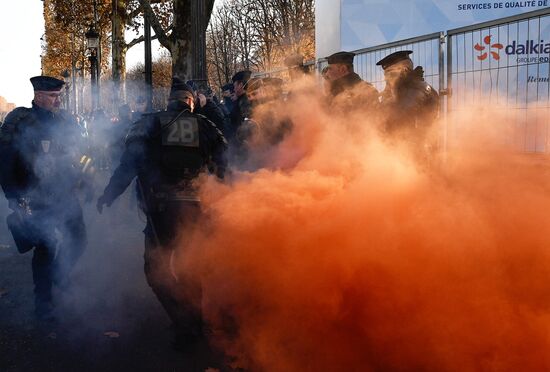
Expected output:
(327, 27)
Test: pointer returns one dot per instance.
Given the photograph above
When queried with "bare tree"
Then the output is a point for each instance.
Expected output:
(223, 55)
(162, 79)
(258, 34)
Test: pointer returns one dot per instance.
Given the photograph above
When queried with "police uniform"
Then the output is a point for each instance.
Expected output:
(227, 103)
(241, 107)
(210, 109)
(167, 151)
(43, 163)
(410, 105)
(350, 92)
(267, 125)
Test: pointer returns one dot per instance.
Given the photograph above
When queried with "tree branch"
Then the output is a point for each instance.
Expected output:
(162, 37)
(138, 40)
(134, 13)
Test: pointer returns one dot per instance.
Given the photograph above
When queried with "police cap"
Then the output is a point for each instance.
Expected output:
(46, 83)
(295, 60)
(243, 76)
(341, 57)
(180, 88)
(393, 58)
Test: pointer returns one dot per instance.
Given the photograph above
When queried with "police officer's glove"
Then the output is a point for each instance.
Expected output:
(101, 201)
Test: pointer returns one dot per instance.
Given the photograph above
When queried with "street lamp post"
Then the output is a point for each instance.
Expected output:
(92, 38)
(68, 88)
(148, 64)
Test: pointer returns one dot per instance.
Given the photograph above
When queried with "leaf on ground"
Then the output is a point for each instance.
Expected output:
(52, 335)
(112, 334)
(3, 292)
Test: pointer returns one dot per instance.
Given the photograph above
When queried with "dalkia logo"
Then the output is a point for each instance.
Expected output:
(481, 48)
(531, 48)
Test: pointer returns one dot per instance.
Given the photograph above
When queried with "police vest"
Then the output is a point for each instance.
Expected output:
(181, 155)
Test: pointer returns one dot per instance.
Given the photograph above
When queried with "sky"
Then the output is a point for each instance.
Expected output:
(21, 27)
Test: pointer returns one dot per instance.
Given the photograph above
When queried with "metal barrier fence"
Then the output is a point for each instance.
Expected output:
(281, 73)
(427, 50)
(502, 63)
(505, 64)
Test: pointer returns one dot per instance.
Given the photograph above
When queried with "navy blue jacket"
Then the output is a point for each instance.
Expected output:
(162, 165)
(41, 152)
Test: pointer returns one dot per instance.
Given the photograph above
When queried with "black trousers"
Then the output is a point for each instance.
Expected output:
(165, 234)
(55, 255)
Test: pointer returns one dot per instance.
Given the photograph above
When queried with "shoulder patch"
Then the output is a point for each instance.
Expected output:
(17, 115)
(8, 128)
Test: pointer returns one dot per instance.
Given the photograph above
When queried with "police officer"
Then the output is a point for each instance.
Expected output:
(347, 90)
(267, 125)
(206, 106)
(167, 151)
(249, 129)
(409, 103)
(42, 165)
(241, 107)
(228, 95)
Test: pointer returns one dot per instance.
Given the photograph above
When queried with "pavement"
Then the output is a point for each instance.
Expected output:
(108, 320)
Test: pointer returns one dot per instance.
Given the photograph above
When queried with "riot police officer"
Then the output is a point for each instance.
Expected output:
(241, 106)
(42, 150)
(167, 151)
(266, 126)
(409, 104)
(348, 91)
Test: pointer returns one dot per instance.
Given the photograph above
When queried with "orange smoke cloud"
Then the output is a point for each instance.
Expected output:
(355, 257)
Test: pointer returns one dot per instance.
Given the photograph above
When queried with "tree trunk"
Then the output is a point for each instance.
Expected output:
(181, 37)
(182, 59)
(179, 42)
(119, 50)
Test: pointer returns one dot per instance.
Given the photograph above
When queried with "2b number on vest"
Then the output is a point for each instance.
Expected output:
(182, 133)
